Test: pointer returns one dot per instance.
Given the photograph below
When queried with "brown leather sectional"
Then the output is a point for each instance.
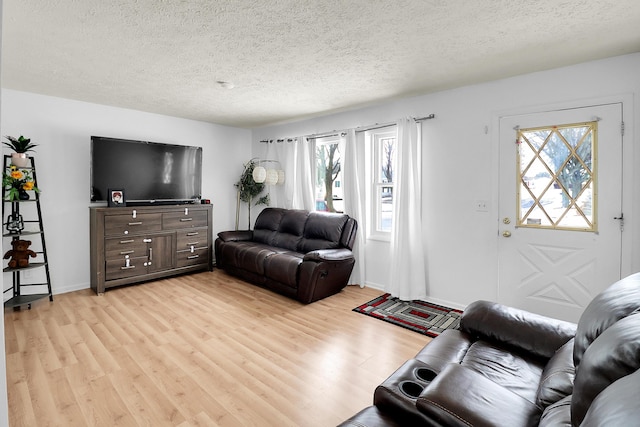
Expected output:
(303, 255)
(509, 367)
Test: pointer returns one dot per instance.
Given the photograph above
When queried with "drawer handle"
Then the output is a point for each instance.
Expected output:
(127, 267)
(193, 257)
(147, 240)
(136, 223)
(192, 243)
(126, 252)
(122, 242)
(193, 233)
(186, 219)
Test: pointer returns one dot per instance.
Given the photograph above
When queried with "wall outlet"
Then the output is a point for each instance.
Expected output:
(482, 205)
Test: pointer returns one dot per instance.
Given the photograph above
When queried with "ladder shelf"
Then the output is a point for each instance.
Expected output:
(16, 227)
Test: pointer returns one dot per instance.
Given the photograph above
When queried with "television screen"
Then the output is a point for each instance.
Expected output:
(148, 172)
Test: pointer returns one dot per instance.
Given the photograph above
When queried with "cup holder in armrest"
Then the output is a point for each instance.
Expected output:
(411, 389)
(425, 374)
(398, 394)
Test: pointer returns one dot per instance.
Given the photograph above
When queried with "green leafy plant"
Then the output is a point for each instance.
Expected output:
(19, 145)
(248, 189)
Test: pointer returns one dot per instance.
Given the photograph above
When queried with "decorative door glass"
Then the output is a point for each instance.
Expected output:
(557, 177)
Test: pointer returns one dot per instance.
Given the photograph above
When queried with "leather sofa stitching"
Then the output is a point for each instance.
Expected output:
(556, 372)
(448, 411)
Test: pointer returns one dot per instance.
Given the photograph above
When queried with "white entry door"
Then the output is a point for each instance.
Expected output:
(560, 207)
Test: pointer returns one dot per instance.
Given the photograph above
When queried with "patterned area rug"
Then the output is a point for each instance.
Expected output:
(419, 316)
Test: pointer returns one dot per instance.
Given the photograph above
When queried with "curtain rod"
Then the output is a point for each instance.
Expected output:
(375, 126)
(271, 141)
(385, 125)
(429, 117)
(326, 135)
(343, 133)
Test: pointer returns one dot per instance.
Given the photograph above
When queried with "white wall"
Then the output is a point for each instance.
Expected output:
(460, 149)
(63, 128)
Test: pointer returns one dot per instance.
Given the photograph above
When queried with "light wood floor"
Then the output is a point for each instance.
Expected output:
(197, 350)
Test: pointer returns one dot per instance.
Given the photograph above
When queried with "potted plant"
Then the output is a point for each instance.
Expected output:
(20, 146)
(248, 189)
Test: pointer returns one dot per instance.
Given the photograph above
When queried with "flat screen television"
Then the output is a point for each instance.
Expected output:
(148, 172)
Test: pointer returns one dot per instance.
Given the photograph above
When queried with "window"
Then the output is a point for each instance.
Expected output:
(329, 193)
(556, 177)
(382, 143)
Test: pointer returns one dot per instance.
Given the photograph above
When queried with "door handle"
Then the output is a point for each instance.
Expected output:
(506, 234)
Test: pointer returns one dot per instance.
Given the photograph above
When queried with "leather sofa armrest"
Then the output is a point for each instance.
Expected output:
(372, 417)
(531, 332)
(459, 396)
(234, 236)
(322, 255)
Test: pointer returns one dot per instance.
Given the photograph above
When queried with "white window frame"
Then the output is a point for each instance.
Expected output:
(376, 138)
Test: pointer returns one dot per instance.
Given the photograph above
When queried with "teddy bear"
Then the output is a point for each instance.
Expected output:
(20, 253)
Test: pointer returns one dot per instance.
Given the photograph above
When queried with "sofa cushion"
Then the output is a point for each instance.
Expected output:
(609, 306)
(617, 405)
(322, 231)
(613, 355)
(557, 414)
(348, 238)
(557, 377)
(249, 256)
(267, 225)
(290, 229)
(283, 268)
(518, 373)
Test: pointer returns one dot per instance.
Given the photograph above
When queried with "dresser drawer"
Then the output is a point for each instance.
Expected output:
(193, 257)
(122, 225)
(118, 248)
(196, 237)
(186, 218)
(118, 268)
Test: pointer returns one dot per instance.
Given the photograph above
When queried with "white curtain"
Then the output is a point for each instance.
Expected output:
(353, 176)
(407, 269)
(297, 159)
(303, 184)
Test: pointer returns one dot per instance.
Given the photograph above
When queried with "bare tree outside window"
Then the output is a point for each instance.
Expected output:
(329, 170)
(387, 165)
(384, 145)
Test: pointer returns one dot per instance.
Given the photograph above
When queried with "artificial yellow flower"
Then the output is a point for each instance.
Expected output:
(16, 174)
(28, 185)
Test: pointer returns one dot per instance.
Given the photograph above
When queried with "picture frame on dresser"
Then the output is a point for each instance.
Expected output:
(116, 197)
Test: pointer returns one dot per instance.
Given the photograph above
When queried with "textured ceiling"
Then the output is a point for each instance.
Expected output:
(292, 59)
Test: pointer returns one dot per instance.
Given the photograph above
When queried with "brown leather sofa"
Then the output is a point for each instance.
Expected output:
(300, 254)
(508, 367)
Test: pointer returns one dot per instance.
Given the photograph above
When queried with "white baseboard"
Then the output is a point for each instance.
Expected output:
(64, 289)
